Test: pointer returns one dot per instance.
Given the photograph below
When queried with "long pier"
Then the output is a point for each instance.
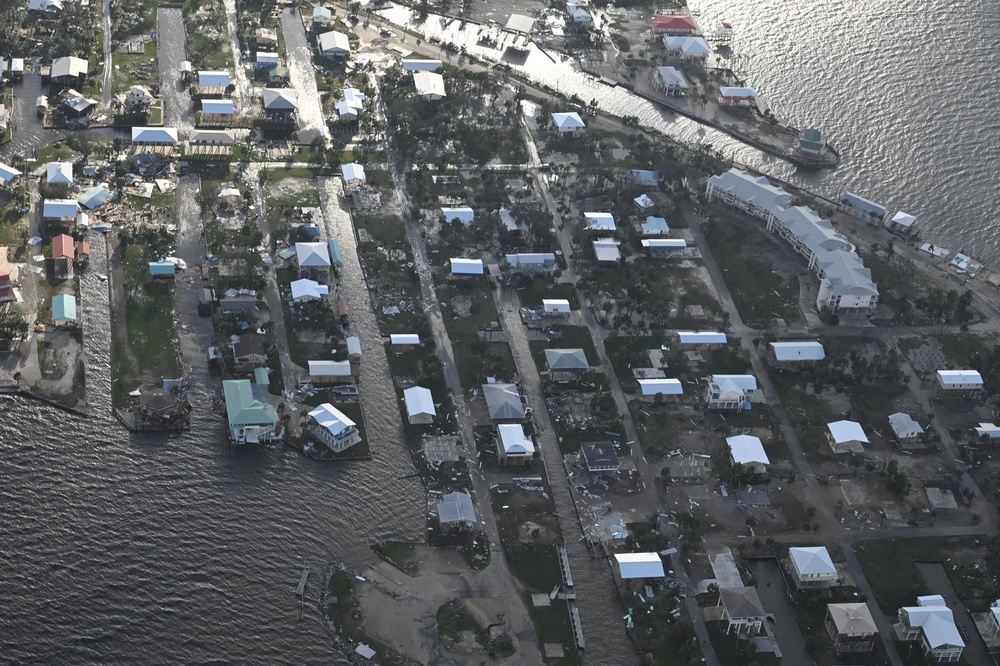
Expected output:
(570, 595)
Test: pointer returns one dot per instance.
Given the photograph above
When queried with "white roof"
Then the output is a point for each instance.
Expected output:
(990, 430)
(8, 173)
(154, 135)
(334, 42)
(429, 83)
(267, 58)
(746, 93)
(606, 249)
(45, 5)
(812, 561)
(701, 338)
(754, 189)
(904, 426)
(955, 377)
(513, 440)
(224, 107)
(461, 266)
(460, 213)
(852, 618)
(936, 620)
(312, 255)
(689, 46)
(331, 418)
(68, 66)
(419, 401)
(280, 99)
(404, 339)
(732, 387)
(352, 172)
(353, 345)
(520, 23)
(599, 221)
(417, 65)
(59, 208)
(568, 120)
(847, 431)
(664, 386)
(224, 137)
(566, 359)
(801, 350)
(669, 243)
(59, 172)
(345, 108)
(530, 258)
(330, 368)
(308, 289)
(747, 450)
(672, 77)
(904, 219)
(213, 79)
(639, 565)
(456, 508)
(555, 304)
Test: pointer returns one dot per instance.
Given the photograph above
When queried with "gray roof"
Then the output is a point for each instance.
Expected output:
(566, 359)
(755, 189)
(742, 601)
(456, 508)
(503, 401)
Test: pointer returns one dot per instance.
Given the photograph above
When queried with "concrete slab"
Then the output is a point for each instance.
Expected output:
(727, 574)
(442, 448)
(689, 468)
(540, 600)
(891, 511)
(553, 650)
(854, 492)
(940, 498)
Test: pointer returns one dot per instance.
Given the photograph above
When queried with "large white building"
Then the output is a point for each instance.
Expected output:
(931, 623)
(845, 282)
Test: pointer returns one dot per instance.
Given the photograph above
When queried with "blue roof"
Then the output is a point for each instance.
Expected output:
(94, 197)
(64, 307)
(162, 268)
(863, 205)
(335, 255)
(260, 376)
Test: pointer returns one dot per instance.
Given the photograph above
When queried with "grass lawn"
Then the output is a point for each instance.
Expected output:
(566, 337)
(56, 152)
(891, 570)
(134, 69)
(733, 652)
(401, 554)
(533, 290)
(760, 294)
(150, 321)
(274, 175)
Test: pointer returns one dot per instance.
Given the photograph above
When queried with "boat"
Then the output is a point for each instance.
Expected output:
(301, 590)
(102, 277)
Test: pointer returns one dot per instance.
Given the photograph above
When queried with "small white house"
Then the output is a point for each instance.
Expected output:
(334, 44)
(325, 373)
(218, 107)
(731, 391)
(904, 427)
(154, 136)
(637, 568)
(701, 338)
(213, 79)
(846, 436)
(959, 381)
(403, 339)
(514, 447)
(332, 427)
(308, 290)
(419, 405)
(988, 430)
(812, 566)
(568, 122)
(462, 214)
(555, 306)
(420, 65)
(670, 81)
(650, 388)
(59, 172)
(932, 624)
(689, 49)
(606, 251)
(748, 451)
(464, 267)
(798, 351)
(662, 248)
(602, 222)
(353, 173)
(429, 85)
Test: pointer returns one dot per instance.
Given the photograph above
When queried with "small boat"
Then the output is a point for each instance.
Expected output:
(301, 590)
(102, 277)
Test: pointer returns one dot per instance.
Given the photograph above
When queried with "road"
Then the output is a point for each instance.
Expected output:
(108, 48)
(243, 90)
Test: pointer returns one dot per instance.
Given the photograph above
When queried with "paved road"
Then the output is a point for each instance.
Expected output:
(108, 48)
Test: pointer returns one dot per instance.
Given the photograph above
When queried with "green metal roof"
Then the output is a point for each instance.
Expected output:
(260, 376)
(241, 408)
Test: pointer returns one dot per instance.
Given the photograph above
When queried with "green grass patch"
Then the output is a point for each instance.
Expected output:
(733, 652)
(891, 570)
(532, 290)
(134, 69)
(760, 294)
(566, 337)
(276, 175)
(400, 554)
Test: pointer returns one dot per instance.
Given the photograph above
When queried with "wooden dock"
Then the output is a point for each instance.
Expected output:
(570, 596)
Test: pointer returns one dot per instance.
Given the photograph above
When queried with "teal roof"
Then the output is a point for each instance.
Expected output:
(655, 225)
(260, 376)
(64, 307)
(335, 255)
(162, 268)
(94, 197)
(241, 408)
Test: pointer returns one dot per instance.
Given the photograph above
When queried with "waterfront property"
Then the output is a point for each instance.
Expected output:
(59, 173)
(669, 81)
(313, 259)
(332, 427)
(845, 282)
(64, 309)
(568, 122)
(674, 24)
(456, 512)
(687, 48)
(429, 85)
(636, 570)
(737, 97)
(748, 451)
(932, 624)
(7, 172)
(154, 136)
(742, 610)
(419, 405)
(851, 627)
(280, 105)
(863, 208)
(330, 373)
(250, 421)
(504, 403)
(846, 436)
(514, 447)
(812, 567)
(731, 391)
(333, 44)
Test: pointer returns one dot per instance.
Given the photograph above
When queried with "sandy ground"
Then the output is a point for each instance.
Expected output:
(412, 604)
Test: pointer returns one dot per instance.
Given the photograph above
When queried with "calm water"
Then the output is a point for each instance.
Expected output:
(122, 548)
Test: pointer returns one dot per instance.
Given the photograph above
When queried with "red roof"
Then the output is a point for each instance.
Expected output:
(6, 288)
(62, 247)
(83, 249)
(674, 22)
(4, 280)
